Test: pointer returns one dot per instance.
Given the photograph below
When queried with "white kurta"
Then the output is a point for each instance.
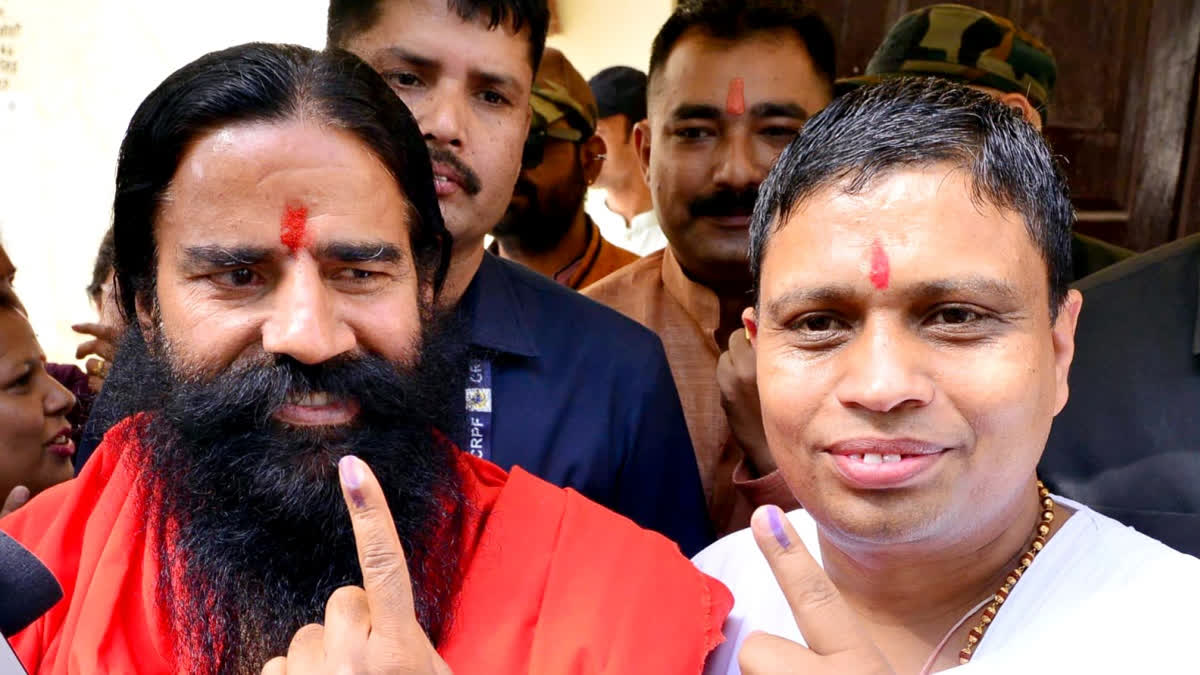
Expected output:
(642, 236)
(1100, 598)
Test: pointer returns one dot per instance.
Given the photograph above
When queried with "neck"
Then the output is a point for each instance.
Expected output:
(733, 296)
(464, 263)
(909, 598)
(630, 199)
(550, 262)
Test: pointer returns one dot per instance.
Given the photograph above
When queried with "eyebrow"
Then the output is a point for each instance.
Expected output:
(225, 256)
(360, 252)
(837, 293)
(411, 57)
(778, 109)
(703, 111)
(240, 256)
(426, 63)
(696, 111)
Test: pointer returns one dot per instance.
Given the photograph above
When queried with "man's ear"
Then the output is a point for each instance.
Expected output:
(750, 321)
(1064, 345)
(592, 156)
(641, 145)
(1018, 102)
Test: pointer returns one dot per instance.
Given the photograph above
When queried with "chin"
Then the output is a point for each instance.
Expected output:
(877, 518)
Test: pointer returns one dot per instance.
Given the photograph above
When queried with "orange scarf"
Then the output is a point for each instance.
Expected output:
(553, 584)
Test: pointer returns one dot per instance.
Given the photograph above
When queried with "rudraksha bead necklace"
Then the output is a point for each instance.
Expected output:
(1040, 533)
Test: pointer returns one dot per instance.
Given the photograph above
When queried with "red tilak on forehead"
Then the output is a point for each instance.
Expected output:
(292, 227)
(735, 101)
(880, 267)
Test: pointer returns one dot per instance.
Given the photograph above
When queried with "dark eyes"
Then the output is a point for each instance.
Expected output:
(493, 98)
(781, 132)
(820, 323)
(354, 274)
(953, 322)
(693, 133)
(403, 79)
(239, 277)
(955, 316)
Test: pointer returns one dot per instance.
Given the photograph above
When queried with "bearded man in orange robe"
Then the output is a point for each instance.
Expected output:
(286, 498)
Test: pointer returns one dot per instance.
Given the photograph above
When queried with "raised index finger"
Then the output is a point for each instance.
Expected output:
(380, 555)
(827, 623)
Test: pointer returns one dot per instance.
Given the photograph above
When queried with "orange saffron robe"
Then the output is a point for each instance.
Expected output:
(553, 584)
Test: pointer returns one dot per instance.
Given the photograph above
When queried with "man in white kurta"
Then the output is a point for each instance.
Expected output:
(913, 329)
(1100, 598)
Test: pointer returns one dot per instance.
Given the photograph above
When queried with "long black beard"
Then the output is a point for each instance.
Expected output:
(257, 533)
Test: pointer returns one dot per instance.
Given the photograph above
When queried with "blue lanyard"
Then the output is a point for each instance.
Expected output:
(479, 408)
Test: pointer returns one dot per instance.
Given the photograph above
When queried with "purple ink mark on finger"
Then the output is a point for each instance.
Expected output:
(775, 520)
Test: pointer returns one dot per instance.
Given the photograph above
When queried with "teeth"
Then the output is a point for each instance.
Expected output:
(58, 440)
(857, 458)
(315, 400)
(872, 458)
(441, 179)
(891, 459)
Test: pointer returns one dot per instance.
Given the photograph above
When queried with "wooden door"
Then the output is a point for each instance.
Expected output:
(1123, 105)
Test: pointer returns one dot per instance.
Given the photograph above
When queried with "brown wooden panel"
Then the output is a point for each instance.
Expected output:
(858, 27)
(1170, 71)
(1189, 201)
(1122, 105)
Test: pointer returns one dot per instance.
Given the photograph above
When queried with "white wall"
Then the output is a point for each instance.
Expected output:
(85, 65)
(597, 34)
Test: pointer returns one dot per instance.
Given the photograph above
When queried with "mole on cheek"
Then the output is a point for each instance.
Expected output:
(880, 267)
(735, 101)
(292, 228)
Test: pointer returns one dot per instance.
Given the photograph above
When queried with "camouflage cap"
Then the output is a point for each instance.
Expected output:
(559, 91)
(968, 45)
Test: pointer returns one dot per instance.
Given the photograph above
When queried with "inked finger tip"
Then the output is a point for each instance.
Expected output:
(770, 520)
(351, 475)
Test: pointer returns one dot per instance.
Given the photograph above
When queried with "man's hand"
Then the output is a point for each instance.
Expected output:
(739, 397)
(836, 641)
(103, 345)
(372, 629)
(15, 500)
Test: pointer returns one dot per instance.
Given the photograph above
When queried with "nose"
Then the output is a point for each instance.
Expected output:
(883, 372)
(441, 117)
(304, 322)
(58, 400)
(737, 167)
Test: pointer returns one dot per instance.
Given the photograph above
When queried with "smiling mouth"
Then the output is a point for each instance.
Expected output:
(62, 445)
(870, 464)
(316, 410)
(446, 181)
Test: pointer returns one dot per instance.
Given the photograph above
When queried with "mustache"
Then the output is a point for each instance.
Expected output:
(470, 180)
(724, 203)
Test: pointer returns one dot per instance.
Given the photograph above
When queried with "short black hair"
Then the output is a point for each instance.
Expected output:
(259, 82)
(348, 18)
(102, 266)
(736, 19)
(913, 122)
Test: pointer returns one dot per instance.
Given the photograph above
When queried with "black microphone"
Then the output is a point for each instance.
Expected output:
(27, 588)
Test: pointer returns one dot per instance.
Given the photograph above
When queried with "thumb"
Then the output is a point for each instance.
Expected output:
(828, 624)
(16, 499)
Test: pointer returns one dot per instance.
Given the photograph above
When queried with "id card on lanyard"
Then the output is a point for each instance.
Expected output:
(479, 407)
